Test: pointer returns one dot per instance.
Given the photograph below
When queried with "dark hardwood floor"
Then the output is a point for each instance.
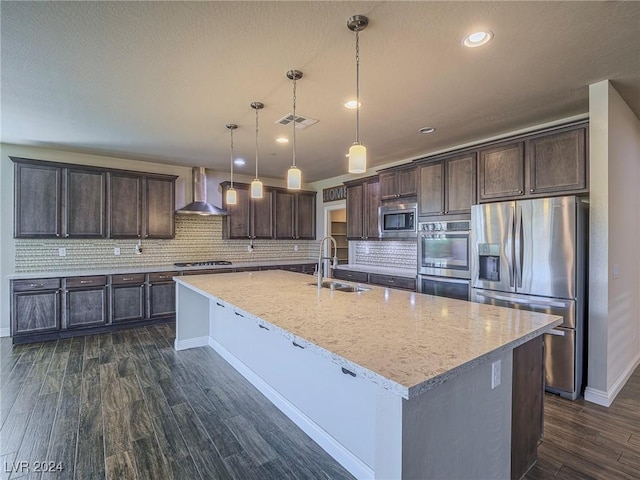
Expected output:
(126, 405)
(586, 441)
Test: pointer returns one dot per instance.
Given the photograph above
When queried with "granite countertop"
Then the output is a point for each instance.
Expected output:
(398, 272)
(404, 341)
(150, 269)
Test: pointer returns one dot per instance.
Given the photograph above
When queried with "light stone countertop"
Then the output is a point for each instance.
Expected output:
(150, 269)
(398, 272)
(404, 341)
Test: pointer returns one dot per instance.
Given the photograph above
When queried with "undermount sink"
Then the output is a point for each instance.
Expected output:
(342, 287)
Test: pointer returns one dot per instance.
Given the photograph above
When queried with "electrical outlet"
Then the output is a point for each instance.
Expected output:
(616, 270)
(496, 374)
(62, 252)
(295, 248)
(116, 250)
(249, 248)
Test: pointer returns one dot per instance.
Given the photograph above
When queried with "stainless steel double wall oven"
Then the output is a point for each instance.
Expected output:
(443, 258)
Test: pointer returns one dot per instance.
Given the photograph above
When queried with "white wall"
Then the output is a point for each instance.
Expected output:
(614, 305)
(7, 243)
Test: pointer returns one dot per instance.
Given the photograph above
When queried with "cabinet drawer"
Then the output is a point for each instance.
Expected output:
(75, 282)
(351, 275)
(136, 278)
(162, 276)
(36, 284)
(393, 281)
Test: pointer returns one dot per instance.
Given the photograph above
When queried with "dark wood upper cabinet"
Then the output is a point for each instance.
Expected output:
(363, 200)
(431, 200)
(37, 203)
(459, 184)
(125, 201)
(295, 215)
(398, 184)
(238, 219)
(160, 207)
(262, 215)
(85, 203)
(305, 217)
(76, 201)
(557, 163)
(501, 172)
(546, 163)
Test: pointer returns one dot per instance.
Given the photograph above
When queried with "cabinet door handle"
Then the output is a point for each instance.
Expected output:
(520, 192)
(262, 326)
(532, 190)
(238, 314)
(66, 234)
(297, 345)
(348, 372)
(83, 282)
(162, 277)
(36, 285)
(126, 279)
(220, 305)
(57, 234)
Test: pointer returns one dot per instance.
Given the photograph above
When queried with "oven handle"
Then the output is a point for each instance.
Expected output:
(444, 279)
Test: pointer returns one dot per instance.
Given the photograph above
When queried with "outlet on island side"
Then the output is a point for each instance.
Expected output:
(496, 374)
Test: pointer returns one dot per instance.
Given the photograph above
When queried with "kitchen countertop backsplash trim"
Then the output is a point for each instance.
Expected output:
(196, 239)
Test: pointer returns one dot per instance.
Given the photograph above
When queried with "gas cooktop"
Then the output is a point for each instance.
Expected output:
(206, 263)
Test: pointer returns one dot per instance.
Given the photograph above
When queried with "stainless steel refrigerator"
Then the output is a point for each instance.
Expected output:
(532, 255)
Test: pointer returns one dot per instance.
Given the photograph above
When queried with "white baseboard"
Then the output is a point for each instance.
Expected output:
(5, 332)
(191, 343)
(606, 398)
(334, 448)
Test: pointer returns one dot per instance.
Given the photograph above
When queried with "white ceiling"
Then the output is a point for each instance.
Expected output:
(158, 81)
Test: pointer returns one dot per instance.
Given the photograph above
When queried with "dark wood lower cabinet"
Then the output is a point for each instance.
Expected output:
(527, 405)
(36, 311)
(127, 297)
(161, 294)
(86, 301)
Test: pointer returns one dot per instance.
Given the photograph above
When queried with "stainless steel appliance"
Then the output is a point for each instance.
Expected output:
(443, 259)
(398, 220)
(532, 255)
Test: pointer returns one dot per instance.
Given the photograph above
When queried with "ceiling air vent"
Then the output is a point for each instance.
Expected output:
(301, 122)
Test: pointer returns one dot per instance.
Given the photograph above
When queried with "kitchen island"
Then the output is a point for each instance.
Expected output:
(392, 384)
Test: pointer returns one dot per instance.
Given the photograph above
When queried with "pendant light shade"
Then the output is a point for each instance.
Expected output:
(294, 175)
(357, 158)
(294, 178)
(256, 185)
(357, 152)
(232, 196)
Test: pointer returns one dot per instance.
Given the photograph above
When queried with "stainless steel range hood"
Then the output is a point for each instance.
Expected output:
(199, 206)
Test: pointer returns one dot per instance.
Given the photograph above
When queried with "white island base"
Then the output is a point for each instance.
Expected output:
(457, 429)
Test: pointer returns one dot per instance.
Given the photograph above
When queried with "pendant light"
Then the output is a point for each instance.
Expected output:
(294, 176)
(357, 151)
(256, 185)
(232, 196)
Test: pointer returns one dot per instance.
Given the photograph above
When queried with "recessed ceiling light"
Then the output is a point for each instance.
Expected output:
(239, 161)
(351, 104)
(282, 140)
(427, 130)
(477, 39)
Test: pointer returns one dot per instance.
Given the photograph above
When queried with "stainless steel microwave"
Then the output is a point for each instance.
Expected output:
(398, 220)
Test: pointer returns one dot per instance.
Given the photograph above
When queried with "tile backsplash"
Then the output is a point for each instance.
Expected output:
(395, 254)
(197, 239)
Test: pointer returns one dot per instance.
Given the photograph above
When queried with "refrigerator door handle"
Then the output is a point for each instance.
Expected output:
(518, 247)
(510, 245)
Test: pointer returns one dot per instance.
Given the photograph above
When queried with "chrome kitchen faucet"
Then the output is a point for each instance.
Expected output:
(321, 259)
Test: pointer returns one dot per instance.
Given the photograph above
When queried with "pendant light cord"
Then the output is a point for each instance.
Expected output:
(231, 130)
(294, 120)
(358, 86)
(256, 143)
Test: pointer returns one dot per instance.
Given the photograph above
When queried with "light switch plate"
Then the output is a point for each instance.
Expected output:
(62, 252)
(116, 250)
